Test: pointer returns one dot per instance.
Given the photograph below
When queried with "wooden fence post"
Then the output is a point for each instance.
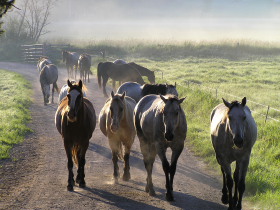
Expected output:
(266, 114)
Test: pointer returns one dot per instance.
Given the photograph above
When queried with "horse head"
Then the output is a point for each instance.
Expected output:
(171, 115)
(171, 89)
(75, 100)
(152, 78)
(236, 118)
(117, 110)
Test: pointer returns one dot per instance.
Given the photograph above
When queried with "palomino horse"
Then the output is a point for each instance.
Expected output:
(233, 133)
(137, 91)
(71, 61)
(75, 120)
(64, 91)
(42, 62)
(144, 72)
(160, 123)
(116, 122)
(84, 64)
(117, 72)
(48, 76)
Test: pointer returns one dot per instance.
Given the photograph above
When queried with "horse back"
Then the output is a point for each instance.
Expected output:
(132, 89)
(49, 74)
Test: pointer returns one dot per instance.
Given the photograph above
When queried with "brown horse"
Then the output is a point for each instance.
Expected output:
(84, 64)
(75, 120)
(117, 72)
(116, 122)
(71, 61)
(145, 72)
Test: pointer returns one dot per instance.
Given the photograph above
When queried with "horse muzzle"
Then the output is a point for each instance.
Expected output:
(238, 141)
(71, 117)
(114, 128)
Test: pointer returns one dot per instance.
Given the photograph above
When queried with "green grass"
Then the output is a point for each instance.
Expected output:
(14, 110)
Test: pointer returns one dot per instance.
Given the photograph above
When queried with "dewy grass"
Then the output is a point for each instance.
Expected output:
(14, 110)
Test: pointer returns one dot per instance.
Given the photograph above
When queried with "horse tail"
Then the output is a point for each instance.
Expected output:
(75, 154)
(56, 87)
(99, 74)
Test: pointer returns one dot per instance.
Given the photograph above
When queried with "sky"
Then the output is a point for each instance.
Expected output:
(174, 20)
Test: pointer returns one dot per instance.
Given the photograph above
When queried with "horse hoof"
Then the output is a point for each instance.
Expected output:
(126, 177)
(224, 199)
(70, 188)
(82, 184)
(169, 197)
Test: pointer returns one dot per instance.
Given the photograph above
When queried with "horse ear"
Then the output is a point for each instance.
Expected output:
(162, 98)
(69, 83)
(123, 95)
(80, 84)
(181, 100)
(243, 101)
(227, 104)
(112, 94)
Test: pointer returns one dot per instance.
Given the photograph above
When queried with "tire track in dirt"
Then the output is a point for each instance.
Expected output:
(38, 179)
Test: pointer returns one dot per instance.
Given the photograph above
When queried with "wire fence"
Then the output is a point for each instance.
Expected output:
(265, 111)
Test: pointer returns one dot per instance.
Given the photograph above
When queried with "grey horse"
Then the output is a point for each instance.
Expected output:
(48, 76)
(65, 89)
(160, 123)
(42, 62)
(233, 133)
(137, 91)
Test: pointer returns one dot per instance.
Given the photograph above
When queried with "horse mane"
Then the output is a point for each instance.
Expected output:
(154, 89)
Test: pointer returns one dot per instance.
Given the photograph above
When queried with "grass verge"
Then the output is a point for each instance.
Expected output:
(14, 110)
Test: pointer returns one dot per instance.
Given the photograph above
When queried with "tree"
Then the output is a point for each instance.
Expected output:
(5, 5)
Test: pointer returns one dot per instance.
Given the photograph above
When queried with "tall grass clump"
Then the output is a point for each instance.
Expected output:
(14, 110)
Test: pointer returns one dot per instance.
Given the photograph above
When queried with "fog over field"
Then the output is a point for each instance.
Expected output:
(166, 19)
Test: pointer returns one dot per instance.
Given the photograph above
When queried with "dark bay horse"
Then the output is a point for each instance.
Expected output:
(75, 120)
(116, 122)
(71, 61)
(84, 64)
(117, 72)
(160, 122)
(233, 133)
(42, 62)
(144, 72)
(137, 91)
(48, 76)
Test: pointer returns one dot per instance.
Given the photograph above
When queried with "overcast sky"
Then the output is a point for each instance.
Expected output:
(166, 19)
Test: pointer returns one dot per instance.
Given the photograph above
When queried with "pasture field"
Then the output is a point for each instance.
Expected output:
(258, 80)
(14, 110)
(254, 76)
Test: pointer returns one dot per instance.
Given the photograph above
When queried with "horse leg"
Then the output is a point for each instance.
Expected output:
(241, 182)
(80, 179)
(68, 150)
(166, 169)
(126, 174)
(224, 190)
(52, 92)
(174, 158)
(149, 155)
(114, 85)
(115, 163)
(229, 183)
(88, 74)
(105, 79)
(236, 178)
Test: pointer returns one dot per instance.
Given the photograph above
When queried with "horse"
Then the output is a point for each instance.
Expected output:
(71, 61)
(48, 76)
(137, 91)
(233, 134)
(144, 72)
(84, 64)
(75, 120)
(42, 62)
(160, 122)
(117, 72)
(116, 122)
(64, 91)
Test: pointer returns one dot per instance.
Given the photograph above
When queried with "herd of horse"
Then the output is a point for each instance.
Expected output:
(154, 114)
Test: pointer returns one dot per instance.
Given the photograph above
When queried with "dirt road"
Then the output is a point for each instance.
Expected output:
(36, 177)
